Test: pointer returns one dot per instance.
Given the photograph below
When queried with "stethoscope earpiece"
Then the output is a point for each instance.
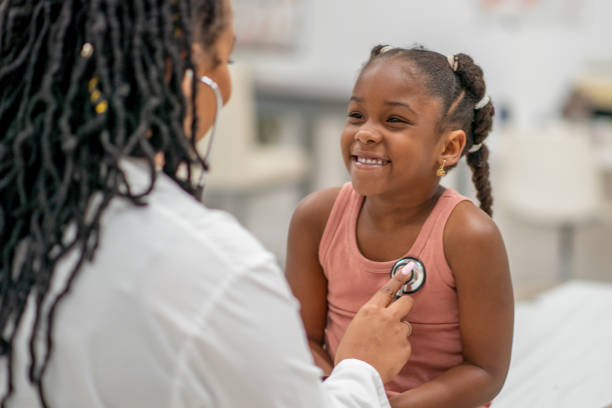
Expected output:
(208, 81)
(416, 281)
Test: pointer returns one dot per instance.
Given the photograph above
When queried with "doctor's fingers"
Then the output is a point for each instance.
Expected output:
(386, 293)
(401, 307)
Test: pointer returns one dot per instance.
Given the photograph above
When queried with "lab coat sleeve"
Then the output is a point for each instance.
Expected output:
(251, 351)
(355, 383)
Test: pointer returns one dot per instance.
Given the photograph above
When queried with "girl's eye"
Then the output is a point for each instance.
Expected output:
(355, 115)
(395, 119)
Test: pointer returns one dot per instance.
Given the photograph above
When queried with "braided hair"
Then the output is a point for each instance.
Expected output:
(83, 84)
(459, 89)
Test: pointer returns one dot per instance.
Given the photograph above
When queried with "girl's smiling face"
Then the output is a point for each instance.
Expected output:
(389, 142)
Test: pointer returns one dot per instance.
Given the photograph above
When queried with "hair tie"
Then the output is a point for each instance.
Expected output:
(482, 103)
(385, 49)
(452, 61)
(475, 148)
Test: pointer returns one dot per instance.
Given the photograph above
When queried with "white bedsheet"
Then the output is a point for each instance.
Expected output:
(562, 351)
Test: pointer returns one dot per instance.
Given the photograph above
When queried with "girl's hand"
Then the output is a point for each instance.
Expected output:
(377, 334)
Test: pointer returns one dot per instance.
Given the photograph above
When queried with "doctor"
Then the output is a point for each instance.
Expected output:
(117, 287)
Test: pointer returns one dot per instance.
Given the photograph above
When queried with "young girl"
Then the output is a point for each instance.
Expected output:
(413, 114)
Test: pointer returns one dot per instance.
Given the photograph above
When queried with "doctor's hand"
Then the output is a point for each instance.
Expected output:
(377, 334)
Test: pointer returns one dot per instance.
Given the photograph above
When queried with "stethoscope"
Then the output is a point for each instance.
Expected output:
(417, 277)
(206, 80)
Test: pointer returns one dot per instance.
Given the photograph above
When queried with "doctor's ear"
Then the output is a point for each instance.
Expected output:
(453, 143)
(204, 60)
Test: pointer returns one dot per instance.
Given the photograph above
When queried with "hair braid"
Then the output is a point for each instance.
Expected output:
(60, 157)
(478, 162)
(471, 77)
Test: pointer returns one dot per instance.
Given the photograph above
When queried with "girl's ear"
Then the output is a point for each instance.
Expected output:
(453, 143)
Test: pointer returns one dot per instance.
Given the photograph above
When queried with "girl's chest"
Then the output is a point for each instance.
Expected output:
(434, 303)
(385, 245)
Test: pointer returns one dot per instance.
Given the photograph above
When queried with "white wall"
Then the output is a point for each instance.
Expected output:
(526, 64)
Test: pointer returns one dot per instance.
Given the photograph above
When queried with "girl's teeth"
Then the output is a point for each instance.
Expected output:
(370, 161)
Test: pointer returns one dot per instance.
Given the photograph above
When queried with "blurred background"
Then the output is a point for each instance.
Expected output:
(548, 68)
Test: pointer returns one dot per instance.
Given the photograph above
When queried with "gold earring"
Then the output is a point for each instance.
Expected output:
(441, 172)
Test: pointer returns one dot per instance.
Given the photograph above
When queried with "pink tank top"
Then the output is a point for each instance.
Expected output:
(352, 279)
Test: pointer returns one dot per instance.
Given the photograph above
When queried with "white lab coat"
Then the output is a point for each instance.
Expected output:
(182, 307)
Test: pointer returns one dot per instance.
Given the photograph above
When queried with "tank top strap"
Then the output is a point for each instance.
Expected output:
(432, 231)
(347, 202)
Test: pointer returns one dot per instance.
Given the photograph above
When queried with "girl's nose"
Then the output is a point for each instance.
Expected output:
(368, 136)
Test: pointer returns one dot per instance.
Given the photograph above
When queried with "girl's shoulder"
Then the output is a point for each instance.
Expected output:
(468, 227)
(314, 210)
(467, 221)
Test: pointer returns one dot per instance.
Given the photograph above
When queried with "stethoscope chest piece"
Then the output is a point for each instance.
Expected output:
(416, 281)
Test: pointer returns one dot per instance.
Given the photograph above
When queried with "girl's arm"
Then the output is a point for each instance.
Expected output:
(304, 272)
(476, 254)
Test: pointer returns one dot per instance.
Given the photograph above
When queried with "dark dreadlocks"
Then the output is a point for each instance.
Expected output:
(83, 83)
(459, 91)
